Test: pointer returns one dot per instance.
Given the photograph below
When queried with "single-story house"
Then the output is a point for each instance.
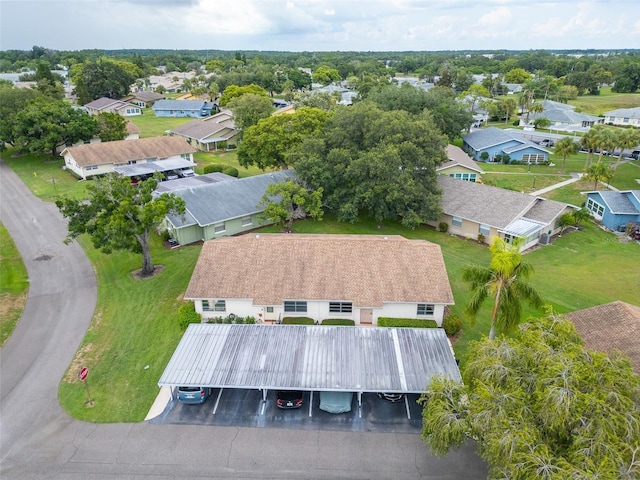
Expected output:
(497, 142)
(143, 99)
(473, 209)
(109, 105)
(460, 165)
(222, 209)
(615, 209)
(100, 158)
(623, 116)
(211, 133)
(355, 277)
(610, 326)
(182, 108)
(563, 116)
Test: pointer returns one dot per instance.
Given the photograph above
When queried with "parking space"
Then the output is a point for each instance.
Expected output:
(245, 408)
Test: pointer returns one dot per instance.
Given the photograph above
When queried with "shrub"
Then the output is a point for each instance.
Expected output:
(484, 156)
(250, 320)
(213, 167)
(298, 321)
(443, 227)
(231, 171)
(406, 322)
(481, 238)
(338, 321)
(452, 324)
(187, 314)
(516, 123)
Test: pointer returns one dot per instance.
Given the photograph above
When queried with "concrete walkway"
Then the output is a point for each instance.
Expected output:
(574, 178)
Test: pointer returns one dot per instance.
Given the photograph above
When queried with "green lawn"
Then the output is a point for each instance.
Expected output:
(152, 126)
(44, 175)
(229, 158)
(14, 285)
(607, 100)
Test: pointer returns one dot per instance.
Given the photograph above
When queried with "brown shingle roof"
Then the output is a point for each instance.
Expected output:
(364, 269)
(122, 151)
(457, 156)
(610, 326)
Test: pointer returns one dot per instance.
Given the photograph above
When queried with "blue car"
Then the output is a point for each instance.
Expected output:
(193, 394)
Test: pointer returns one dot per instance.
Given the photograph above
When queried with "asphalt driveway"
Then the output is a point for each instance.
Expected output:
(38, 440)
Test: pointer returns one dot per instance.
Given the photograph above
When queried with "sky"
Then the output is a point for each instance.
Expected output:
(320, 25)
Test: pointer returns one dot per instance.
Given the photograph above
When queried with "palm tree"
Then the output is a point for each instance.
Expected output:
(599, 172)
(505, 281)
(588, 142)
(535, 108)
(626, 138)
(605, 139)
(565, 146)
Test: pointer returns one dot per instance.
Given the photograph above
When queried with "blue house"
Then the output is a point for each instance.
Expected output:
(182, 108)
(497, 142)
(614, 209)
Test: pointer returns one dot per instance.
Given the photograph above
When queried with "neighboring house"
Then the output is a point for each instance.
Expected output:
(460, 165)
(470, 209)
(109, 105)
(512, 88)
(211, 133)
(143, 99)
(496, 142)
(615, 210)
(222, 209)
(133, 132)
(182, 108)
(623, 116)
(564, 117)
(355, 277)
(100, 158)
(610, 326)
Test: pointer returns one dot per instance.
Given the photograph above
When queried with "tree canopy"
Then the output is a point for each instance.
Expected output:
(102, 78)
(289, 201)
(267, 143)
(233, 91)
(540, 406)
(377, 163)
(111, 126)
(119, 215)
(249, 108)
(46, 124)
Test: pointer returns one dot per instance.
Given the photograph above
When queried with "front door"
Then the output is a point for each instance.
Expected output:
(366, 316)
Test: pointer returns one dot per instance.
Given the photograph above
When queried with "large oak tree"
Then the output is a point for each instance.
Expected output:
(120, 216)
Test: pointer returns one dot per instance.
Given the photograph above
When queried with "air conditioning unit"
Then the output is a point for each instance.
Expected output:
(545, 239)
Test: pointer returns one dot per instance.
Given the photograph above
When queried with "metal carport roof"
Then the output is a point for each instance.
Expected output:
(309, 357)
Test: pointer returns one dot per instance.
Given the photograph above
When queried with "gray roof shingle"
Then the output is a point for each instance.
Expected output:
(218, 202)
(178, 105)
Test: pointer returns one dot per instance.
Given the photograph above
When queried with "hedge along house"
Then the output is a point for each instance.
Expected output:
(95, 159)
(222, 209)
(497, 143)
(356, 277)
(472, 209)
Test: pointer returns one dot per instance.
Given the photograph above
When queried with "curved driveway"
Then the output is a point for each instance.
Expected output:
(38, 440)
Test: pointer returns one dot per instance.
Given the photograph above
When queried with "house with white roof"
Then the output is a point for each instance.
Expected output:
(623, 116)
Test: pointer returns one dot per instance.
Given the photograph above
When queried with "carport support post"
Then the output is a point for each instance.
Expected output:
(264, 394)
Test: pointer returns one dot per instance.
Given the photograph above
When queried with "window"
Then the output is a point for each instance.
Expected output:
(484, 229)
(533, 158)
(293, 306)
(219, 228)
(340, 307)
(595, 208)
(508, 238)
(456, 222)
(269, 309)
(625, 120)
(220, 306)
(246, 221)
(205, 306)
(425, 309)
(186, 156)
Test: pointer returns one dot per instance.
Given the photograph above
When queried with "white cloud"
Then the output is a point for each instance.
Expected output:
(497, 18)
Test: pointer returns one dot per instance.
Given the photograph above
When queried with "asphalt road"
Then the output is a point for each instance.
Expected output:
(38, 440)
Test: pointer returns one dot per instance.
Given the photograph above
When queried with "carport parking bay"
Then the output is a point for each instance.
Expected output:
(246, 408)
